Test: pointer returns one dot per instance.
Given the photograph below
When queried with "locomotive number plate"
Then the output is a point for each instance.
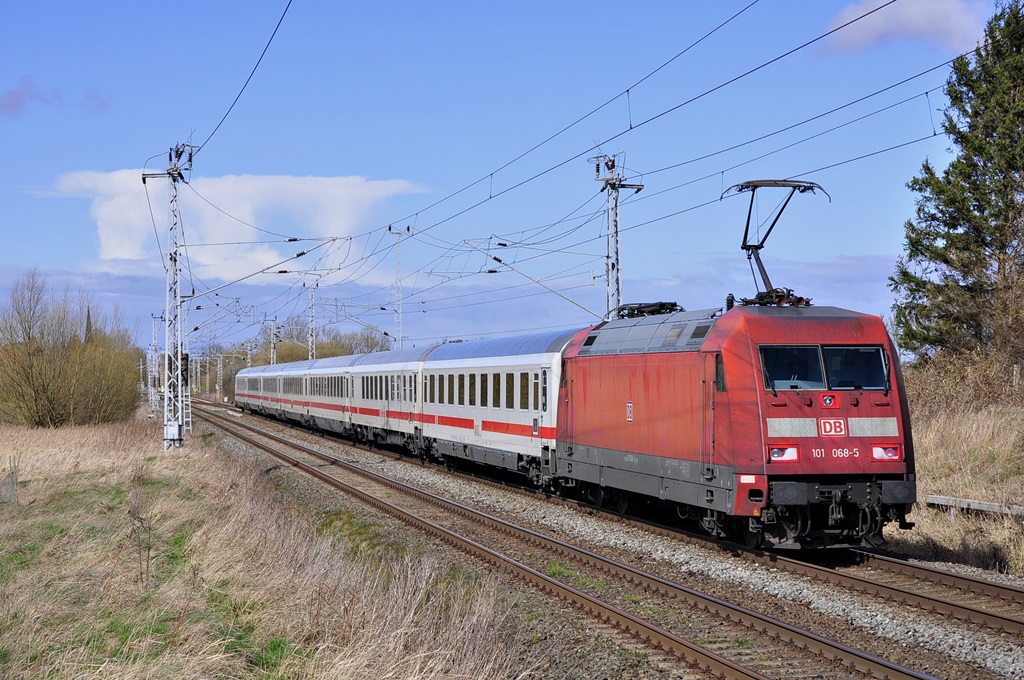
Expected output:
(832, 427)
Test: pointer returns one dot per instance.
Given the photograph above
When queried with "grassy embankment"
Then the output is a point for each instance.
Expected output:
(120, 561)
(968, 420)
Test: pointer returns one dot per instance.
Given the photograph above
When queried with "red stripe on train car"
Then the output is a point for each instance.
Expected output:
(328, 406)
(451, 421)
(517, 429)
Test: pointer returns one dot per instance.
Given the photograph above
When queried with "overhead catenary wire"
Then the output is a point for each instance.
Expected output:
(494, 195)
(373, 254)
(246, 83)
(377, 250)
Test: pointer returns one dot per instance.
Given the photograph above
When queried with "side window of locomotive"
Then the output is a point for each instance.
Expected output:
(855, 368)
(719, 374)
(792, 367)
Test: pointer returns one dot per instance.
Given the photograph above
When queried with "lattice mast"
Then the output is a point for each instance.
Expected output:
(399, 234)
(152, 362)
(607, 172)
(311, 334)
(176, 397)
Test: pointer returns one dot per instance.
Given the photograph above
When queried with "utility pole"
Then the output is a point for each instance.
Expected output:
(176, 398)
(605, 167)
(398, 280)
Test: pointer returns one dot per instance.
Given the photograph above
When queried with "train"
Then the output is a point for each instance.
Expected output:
(768, 421)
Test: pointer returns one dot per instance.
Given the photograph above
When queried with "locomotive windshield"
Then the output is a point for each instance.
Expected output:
(814, 367)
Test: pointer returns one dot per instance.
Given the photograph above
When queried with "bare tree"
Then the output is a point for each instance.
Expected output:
(52, 372)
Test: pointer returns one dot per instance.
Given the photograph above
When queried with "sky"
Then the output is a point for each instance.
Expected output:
(402, 146)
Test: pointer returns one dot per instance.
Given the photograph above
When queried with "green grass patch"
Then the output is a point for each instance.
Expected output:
(104, 496)
(447, 591)
(177, 552)
(23, 552)
(563, 572)
(125, 635)
(268, 657)
(273, 654)
(364, 537)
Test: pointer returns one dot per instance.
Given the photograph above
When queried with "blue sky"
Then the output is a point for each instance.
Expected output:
(471, 124)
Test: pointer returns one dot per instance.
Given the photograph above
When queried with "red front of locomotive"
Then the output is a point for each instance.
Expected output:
(783, 426)
(812, 417)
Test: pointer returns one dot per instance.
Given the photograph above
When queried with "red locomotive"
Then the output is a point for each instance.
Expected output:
(772, 422)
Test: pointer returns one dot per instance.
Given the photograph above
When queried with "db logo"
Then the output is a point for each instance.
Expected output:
(832, 427)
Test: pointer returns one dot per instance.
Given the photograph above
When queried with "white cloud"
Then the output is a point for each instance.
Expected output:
(131, 219)
(952, 24)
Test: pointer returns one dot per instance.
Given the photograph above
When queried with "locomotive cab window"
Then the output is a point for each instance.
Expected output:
(855, 368)
(792, 367)
(813, 367)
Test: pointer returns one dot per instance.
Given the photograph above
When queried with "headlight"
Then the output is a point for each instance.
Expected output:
(886, 452)
(783, 454)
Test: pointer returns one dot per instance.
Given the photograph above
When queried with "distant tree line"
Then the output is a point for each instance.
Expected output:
(63, 361)
(292, 345)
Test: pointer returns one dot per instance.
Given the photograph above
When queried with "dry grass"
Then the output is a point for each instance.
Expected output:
(969, 443)
(120, 561)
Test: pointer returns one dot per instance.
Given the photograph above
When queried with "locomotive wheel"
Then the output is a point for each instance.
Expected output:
(751, 539)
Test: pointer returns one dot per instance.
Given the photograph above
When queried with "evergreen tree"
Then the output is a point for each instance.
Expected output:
(959, 283)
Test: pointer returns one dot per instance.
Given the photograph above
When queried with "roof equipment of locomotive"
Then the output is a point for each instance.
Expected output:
(770, 295)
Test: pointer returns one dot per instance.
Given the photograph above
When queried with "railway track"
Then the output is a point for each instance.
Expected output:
(972, 600)
(929, 589)
(731, 641)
